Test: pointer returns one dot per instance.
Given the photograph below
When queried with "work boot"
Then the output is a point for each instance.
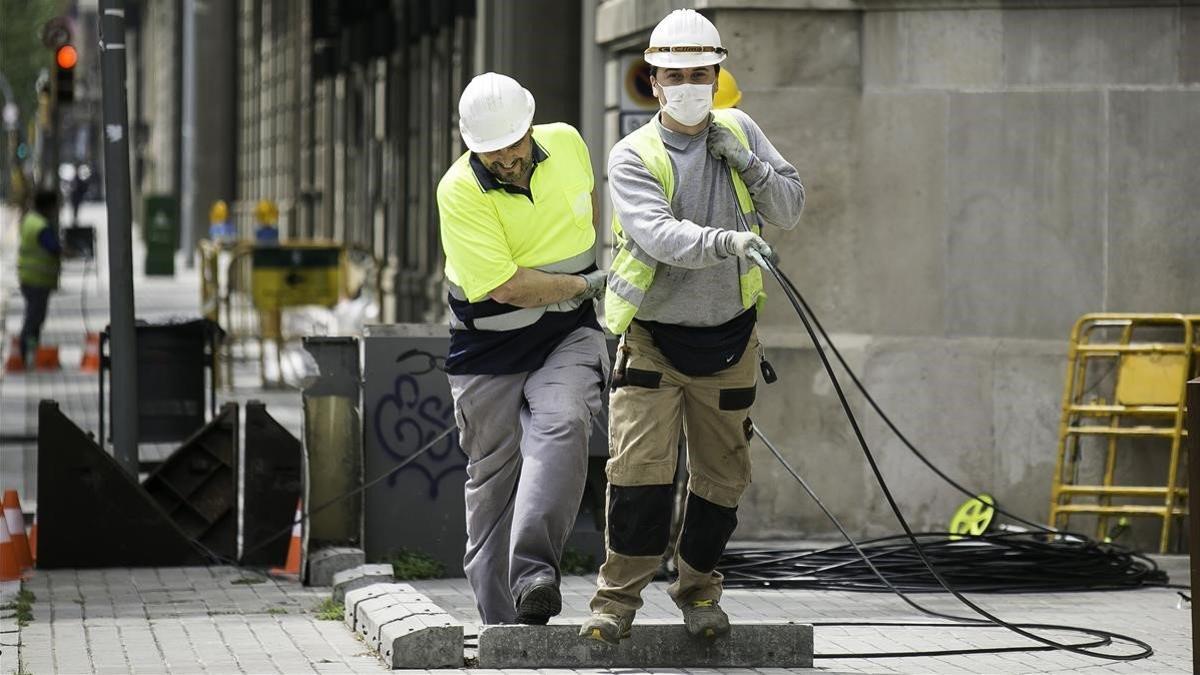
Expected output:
(608, 628)
(705, 618)
(539, 602)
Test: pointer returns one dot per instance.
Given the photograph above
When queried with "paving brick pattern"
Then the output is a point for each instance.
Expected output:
(182, 620)
(200, 620)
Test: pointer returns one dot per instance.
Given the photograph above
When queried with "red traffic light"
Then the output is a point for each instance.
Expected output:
(66, 57)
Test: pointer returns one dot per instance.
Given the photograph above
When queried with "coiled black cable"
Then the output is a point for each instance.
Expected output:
(1006, 562)
(796, 298)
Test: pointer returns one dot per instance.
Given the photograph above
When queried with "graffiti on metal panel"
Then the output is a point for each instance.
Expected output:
(405, 420)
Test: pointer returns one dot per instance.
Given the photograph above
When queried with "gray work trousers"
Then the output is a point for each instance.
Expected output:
(526, 439)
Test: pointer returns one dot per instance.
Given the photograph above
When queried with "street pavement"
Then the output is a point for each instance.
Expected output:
(226, 620)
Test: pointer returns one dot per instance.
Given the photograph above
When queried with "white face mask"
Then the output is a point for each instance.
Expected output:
(688, 104)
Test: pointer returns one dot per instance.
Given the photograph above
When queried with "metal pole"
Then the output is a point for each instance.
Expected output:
(187, 197)
(123, 337)
(11, 117)
(1193, 429)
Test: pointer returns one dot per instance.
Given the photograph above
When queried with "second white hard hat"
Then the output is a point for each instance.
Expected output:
(494, 112)
(685, 39)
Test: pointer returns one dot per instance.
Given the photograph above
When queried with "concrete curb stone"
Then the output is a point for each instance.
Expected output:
(325, 563)
(404, 627)
(649, 646)
(358, 577)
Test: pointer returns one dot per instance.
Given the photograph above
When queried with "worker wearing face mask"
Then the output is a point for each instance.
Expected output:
(689, 190)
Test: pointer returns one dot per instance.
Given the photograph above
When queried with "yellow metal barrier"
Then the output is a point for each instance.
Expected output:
(246, 288)
(1125, 389)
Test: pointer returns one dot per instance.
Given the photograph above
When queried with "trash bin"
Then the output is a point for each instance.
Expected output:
(172, 385)
(160, 229)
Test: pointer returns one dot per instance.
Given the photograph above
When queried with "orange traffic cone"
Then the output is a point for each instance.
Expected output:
(91, 354)
(292, 567)
(10, 569)
(47, 357)
(14, 363)
(16, 528)
(33, 540)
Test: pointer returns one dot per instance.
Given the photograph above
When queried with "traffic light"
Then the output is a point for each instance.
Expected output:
(65, 58)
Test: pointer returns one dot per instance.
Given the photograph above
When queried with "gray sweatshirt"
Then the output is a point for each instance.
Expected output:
(697, 283)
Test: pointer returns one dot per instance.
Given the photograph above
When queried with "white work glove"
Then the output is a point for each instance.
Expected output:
(722, 144)
(597, 281)
(749, 246)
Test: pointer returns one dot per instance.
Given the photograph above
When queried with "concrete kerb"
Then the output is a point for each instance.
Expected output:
(423, 641)
(359, 577)
(359, 595)
(649, 646)
(370, 612)
(405, 628)
(327, 562)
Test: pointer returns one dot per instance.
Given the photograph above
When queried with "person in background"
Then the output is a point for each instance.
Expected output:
(38, 264)
(266, 231)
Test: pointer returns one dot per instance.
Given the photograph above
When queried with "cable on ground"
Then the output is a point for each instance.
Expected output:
(796, 298)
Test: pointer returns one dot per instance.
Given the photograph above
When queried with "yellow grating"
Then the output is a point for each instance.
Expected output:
(1151, 379)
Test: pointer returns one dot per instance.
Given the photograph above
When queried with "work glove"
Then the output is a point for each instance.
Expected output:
(750, 246)
(597, 281)
(722, 144)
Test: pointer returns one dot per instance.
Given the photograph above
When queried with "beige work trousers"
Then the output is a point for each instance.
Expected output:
(646, 416)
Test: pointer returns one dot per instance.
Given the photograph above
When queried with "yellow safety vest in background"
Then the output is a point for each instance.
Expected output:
(35, 265)
(633, 269)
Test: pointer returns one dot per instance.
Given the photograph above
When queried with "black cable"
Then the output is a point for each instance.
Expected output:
(88, 261)
(1100, 641)
(1006, 562)
(783, 279)
(1104, 638)
(222, 560)
(796, 299)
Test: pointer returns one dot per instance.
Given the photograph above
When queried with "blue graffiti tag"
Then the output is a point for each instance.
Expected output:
(420, 420)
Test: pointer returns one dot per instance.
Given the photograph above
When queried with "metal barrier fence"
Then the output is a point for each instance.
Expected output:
(247, 288)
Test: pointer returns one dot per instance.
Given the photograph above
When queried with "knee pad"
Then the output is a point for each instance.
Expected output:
(706, 530)
(639, 519)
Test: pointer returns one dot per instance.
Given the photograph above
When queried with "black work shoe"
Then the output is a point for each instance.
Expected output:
(706, 619)
(538, 603)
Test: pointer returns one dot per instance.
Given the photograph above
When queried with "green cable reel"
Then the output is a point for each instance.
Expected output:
(974, 517)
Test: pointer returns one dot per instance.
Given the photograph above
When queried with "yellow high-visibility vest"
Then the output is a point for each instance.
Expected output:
(487, 233)
(632, 270)
(35, 265)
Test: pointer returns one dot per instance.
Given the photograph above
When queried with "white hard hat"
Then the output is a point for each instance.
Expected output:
(494, 112)
(685, 39)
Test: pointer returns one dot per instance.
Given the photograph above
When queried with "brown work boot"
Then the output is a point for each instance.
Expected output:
(705, 618)
(608, 628)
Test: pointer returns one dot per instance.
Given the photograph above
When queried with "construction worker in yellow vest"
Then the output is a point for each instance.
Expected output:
(689, 190)
(38, 264)
(527, 360)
